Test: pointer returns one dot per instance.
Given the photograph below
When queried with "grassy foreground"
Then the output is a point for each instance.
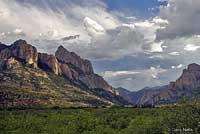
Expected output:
(115, 120)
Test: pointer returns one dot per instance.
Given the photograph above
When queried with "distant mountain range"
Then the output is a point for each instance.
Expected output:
(186, 86)
(140, 97)
(30, 78)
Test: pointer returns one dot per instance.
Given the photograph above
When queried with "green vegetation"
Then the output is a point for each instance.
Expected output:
(114, 120)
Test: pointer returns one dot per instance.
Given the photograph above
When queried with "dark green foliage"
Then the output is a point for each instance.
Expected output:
(113, 120)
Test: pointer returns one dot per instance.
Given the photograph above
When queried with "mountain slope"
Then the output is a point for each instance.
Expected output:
(140, 97)
(187, 85)
(30, 78)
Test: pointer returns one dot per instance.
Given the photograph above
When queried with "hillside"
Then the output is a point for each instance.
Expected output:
(140, 97)
(186, 86)
(29, 78)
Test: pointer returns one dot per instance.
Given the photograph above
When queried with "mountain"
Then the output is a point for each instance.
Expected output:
(30, 78)
(187, 85)
(148, 94)
(123, 92)
(140, 97)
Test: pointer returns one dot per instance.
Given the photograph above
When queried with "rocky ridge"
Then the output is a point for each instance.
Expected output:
(72, 68)
(141, 97)
(187, 85)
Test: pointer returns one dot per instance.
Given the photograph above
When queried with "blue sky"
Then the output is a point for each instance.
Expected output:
(140, 8)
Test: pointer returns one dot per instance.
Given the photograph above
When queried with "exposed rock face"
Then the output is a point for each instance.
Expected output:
(68, 72)
(21, 57)
(190, 79)
(10, 63)
(23, 86)
(78, 69)
(186, 85)
(67, 57)
(20, 49)
(64, 62)
(49, 62)
(95, 81)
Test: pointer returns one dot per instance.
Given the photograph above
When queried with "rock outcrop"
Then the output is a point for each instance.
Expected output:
(10, 63)
(48, 62)
(24, 51)
(28, 69)
(186, 85)
(64, 56)
(95, 81)
(21, 51)
(78, 69)
(65, 63)
(68, 72)
(190, 78)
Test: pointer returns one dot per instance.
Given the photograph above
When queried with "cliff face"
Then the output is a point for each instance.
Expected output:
(80, 70)
(22, 60)
(49, 62)
(21, 51)
(64, 56)
(190, 78)
(186, 85)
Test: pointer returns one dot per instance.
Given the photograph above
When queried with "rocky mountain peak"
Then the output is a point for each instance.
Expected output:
(20, 50)
(193, 67)
(185, 86)
(80, 70)
(64, 64)
(62, 49)
(24, 51)
(64, 56)
(20, 42)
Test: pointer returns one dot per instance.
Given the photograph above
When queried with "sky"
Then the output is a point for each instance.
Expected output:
(131, 43)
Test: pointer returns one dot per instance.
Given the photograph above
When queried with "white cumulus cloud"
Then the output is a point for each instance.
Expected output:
(93, 27)
(191, 47)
